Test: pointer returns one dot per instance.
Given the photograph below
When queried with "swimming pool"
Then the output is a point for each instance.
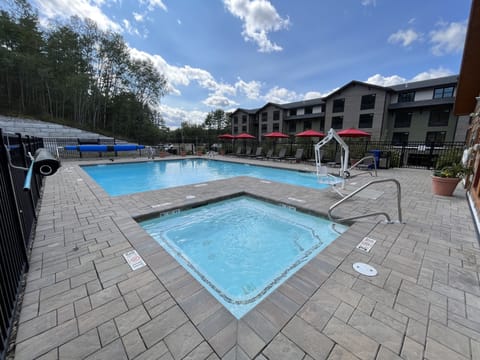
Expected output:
(241, 249)
(123, 179)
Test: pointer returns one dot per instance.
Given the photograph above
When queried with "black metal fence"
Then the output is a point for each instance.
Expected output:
(17, 219)
(408, 155)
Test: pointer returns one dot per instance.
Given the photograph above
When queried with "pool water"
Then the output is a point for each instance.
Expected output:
(242, 249)
(123, 179)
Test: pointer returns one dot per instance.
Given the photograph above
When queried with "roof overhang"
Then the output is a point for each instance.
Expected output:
(469, 79)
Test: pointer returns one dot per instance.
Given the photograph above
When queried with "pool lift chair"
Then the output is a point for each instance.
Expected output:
(345, 172)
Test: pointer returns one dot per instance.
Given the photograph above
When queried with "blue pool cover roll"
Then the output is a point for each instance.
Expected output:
(98, 148)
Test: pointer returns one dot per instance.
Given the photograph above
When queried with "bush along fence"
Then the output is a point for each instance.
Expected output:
(17, 221)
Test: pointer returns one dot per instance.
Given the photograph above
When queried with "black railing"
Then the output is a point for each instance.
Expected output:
(17, 219)
(412, 154)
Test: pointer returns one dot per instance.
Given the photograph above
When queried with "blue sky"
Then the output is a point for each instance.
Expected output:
(243, 53)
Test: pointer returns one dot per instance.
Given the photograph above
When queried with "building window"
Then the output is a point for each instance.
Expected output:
(445, 92)
(235, 129)
(244, 128)
(403, 119)
(235, 119)
(292, 126)
(406, 96)
(338, 105)
(400, 138)
(365, 121)
(307, 124)
(322, 124)
(244, 119)
(292, 112)
(368, 102)
(308, 110)
(264, 128)
(276, 126)
(276, 115)
(337, 122)
(439, 117)
(436, 137)
(264, 116)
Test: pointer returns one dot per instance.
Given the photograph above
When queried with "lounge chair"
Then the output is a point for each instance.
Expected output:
(268, 156)
(257, 153)
(248, 151)
(281, 154)
(239, 151)
(298, 156)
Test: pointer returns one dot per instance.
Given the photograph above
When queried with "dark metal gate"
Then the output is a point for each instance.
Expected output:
(17, 218)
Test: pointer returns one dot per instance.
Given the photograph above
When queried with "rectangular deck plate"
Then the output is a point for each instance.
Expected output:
(134, 260)
(366, 244)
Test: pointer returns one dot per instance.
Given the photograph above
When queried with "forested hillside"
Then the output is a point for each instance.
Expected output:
(76, 74)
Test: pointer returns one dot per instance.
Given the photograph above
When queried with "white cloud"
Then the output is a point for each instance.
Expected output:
(281, 95)
(64, 9)
(369, 2)
(405, 37)
(259, 18)
(251, 89)
(183, 76)
(152, 4)
(219, 101)
(432, 74)
(313, 95)
(381, 80)
(448, 38)
(138, 17)
(175, 116)
(129, 28)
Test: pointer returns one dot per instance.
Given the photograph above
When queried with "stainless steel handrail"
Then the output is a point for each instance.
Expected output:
(399, 196)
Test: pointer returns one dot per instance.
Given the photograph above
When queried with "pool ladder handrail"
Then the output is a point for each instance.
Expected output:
(399, 209)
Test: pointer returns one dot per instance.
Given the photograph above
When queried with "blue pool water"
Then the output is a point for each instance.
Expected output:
(242, 249)
(123, 179)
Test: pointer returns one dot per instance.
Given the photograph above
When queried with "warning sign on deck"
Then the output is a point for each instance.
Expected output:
(134, 260)
(366, 244)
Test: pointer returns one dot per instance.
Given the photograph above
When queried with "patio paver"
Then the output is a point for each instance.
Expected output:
(83, 301)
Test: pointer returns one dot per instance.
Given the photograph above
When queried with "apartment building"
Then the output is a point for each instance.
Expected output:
(412, 112)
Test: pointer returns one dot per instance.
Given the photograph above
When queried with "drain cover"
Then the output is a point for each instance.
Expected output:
(365, 269)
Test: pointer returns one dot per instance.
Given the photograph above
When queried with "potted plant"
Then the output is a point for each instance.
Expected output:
(446, 179)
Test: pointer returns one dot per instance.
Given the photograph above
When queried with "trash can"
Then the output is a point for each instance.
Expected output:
(384, 162)
(376, 155)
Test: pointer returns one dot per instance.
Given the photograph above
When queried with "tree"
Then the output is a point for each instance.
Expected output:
(217, 120)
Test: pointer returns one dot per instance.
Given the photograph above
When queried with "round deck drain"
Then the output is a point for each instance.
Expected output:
(365, 269)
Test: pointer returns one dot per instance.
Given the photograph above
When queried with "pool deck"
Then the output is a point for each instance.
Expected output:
(83, 301)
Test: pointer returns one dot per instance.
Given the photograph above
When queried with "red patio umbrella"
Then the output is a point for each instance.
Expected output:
(352, 132)
(310, 133)
(244, 136)
(226, 136)
(276, 135)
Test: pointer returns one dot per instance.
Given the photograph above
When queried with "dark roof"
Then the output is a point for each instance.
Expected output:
(302, 103)
(355, 82)
(446, 80)
(248, 111)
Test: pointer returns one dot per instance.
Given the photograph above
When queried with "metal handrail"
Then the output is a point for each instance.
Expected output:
(399, 196)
